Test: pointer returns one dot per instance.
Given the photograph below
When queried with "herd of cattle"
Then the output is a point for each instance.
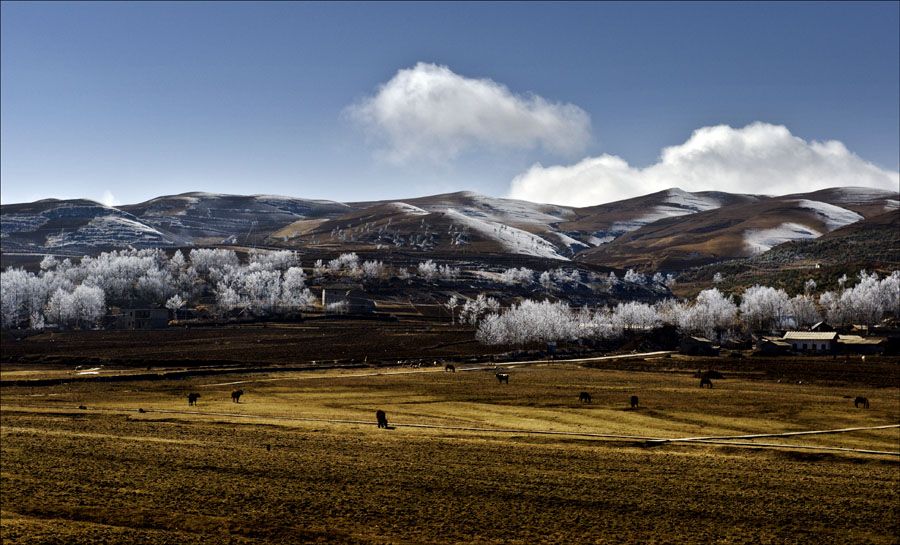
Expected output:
(583, 397)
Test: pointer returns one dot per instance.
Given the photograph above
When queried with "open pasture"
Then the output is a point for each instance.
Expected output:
(466, 460)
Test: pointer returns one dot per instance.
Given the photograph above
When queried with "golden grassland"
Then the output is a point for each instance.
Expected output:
(300, 460)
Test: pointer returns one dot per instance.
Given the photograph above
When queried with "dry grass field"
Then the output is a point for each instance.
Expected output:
(300, 460)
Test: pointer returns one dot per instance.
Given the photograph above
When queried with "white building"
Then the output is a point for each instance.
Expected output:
(811, 341)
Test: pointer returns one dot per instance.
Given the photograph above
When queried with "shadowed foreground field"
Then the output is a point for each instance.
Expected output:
(257, 472)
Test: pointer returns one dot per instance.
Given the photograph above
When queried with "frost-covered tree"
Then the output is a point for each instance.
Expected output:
(428, 270)
(174, 304)
(451, 305)
(718, 278)
(448, 272)
(635, 277)
(295, 296)
(372, 271)
(764, 308)
(803, 310)
(513, 275)
(546, 281)
(809, 287)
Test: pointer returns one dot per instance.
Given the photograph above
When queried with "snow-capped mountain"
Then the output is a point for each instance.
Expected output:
(668, 230)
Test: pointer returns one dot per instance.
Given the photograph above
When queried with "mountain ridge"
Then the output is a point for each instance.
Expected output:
(668, 230)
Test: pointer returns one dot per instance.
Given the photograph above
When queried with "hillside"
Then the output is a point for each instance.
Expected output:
(670, 230)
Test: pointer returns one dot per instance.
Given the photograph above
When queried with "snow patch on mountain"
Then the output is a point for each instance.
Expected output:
(890, 205)
(761, 240)
(110, 231)
(513, 240)
(511, 211)
(404, 208)
(833, 216)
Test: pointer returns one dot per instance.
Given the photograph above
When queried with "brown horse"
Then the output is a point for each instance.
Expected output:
(634, 402)
(450, 367)
(236, 395)
(861, 401)
(584, 397)
(192, 399)
(502, 377)
(381, 418)
(705, 381)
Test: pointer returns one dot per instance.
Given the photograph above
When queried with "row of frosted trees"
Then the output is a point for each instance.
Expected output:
(269, 284)
(711, 314)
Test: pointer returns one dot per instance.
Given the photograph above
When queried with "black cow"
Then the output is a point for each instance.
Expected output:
(192, 399)
(381, 418)
(450, 367)
(502, 377)
(634, 402)
(705, 381)
(584, 397)
(861, 401)
(236, 395)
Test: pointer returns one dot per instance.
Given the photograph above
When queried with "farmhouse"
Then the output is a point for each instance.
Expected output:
(811, 341)
(697, 346)
(142, 318)
(773, 346)
(854, 344)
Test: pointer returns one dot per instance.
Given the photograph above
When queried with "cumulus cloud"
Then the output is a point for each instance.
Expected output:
(760, 158)
(430, 112)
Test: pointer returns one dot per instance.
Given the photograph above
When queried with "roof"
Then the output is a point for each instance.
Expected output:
(698, 339)
(776, 342)
(810, 336)
(856, 339)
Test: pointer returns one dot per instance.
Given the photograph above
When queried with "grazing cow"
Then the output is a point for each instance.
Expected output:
(450, 367)
(141, 410)
(192, 399)
(236, 395)
(705, 381)
(634, 402)
(381, 418)
(861, 401)
(584, 397)
(501, 377)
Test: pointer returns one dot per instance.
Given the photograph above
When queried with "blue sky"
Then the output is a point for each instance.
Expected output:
(122, 101)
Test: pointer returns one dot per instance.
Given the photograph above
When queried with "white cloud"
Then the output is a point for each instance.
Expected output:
(760, 158)
(429, 112)
(109, 199)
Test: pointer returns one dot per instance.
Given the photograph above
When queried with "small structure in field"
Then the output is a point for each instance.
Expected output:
(142, 318)
(697, 346)
(822, 342)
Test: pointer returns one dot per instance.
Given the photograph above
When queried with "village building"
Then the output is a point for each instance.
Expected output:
(142, 318)
(821, 326)
(697, 346)
(811, 341)
(772, 346)
(854, 344)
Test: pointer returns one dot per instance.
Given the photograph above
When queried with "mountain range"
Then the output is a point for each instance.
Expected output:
(669, 230)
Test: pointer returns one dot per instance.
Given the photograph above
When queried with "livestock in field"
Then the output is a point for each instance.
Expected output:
(381, 418)
(450, 367)
(705, 382)
(861, 401)
(502, 377)
(192, 399)
(236, 395)
(584, 397)
(634, 402)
